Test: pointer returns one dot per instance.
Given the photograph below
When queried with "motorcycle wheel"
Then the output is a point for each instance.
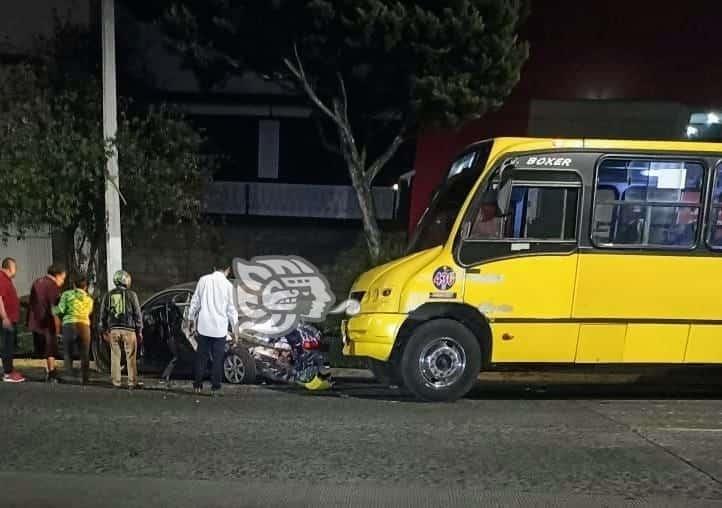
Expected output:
(239, 367)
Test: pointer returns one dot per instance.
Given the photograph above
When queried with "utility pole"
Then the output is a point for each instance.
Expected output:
(113, 242)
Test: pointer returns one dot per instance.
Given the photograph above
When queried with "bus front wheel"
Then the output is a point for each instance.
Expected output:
(441, 361)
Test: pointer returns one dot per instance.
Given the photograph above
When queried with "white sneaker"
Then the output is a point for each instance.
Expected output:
(13, 377)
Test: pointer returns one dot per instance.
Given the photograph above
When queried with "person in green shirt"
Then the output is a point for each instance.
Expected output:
(74, 309)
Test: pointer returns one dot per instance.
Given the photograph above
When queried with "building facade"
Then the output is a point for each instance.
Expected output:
(605, 69)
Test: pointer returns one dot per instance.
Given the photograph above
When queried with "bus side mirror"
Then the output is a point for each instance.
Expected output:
(503, 197)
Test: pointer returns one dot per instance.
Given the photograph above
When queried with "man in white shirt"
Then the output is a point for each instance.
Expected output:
(213, 310)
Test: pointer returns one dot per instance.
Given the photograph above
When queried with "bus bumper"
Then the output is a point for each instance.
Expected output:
(371, 335)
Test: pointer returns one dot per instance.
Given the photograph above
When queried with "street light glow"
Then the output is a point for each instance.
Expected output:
(395, 187)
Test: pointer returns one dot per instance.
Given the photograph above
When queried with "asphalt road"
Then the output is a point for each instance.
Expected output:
(362, 445)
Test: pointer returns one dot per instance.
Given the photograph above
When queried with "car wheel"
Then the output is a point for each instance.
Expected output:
(441, 361)
(239, 367)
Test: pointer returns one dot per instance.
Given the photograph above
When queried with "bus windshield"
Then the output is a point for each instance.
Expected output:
(436, 222)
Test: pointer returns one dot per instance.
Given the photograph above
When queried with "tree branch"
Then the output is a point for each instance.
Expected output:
(300, 74)
(344, 96)
(375, 168)
(338, 115)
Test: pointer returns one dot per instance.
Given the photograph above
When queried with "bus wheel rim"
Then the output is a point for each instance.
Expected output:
(442, 362)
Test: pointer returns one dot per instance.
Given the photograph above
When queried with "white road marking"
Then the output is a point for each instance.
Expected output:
(687, 429)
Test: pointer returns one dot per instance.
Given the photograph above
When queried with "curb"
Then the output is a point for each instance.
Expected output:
(502, 377)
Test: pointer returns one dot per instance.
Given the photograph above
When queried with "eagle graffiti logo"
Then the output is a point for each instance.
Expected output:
(274, 293)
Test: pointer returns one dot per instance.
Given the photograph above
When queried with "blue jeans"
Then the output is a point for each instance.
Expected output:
(215, 348)
(9, 337)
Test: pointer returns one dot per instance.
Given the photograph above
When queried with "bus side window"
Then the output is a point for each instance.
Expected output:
(534, 211)
(537, 212)
(487, 221)
(542, 213)
(715, 217)
(487, 224)
(655, 203)
(606, 215)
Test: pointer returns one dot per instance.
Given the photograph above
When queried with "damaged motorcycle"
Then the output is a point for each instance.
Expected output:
(295, 358)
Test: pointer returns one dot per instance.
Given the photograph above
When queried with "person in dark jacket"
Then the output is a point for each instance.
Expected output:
(121, 325)
(44, 295)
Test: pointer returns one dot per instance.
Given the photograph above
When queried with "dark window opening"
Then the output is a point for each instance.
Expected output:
(304, 159)
(233, 141)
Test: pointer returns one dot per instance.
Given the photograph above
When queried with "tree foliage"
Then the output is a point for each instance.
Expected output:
(376, 71)
(53, 161)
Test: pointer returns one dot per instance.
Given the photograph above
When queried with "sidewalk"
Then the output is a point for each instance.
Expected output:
(708, 377)
(34, 370)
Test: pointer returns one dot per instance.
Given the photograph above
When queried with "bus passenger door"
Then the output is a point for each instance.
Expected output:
(521, 265)
(705, 336)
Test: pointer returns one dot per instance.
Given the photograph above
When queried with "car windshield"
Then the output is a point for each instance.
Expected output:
(435, 225)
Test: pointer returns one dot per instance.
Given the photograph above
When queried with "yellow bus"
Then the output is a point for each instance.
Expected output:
(552, 252)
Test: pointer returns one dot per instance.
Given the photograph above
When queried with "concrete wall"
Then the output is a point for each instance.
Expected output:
(180, 254)
(33, 255)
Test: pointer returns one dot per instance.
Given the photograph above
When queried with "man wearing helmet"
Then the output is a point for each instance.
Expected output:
(121, 324)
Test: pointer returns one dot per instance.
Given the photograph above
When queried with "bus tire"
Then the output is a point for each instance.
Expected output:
(441, 361)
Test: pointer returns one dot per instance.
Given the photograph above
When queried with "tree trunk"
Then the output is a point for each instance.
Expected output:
(93, 279)
(77, 259)
(362, 174)
(97, 275)
(71, 259)
(372, 231)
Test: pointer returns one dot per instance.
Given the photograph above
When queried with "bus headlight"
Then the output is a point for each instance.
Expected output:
(353, 307)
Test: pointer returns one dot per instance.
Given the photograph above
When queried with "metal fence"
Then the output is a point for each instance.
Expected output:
(294, 200)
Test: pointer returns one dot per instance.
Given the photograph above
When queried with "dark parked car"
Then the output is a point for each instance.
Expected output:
(163, 321)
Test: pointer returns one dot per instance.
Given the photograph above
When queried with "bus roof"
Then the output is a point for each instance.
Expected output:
(505, 144)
